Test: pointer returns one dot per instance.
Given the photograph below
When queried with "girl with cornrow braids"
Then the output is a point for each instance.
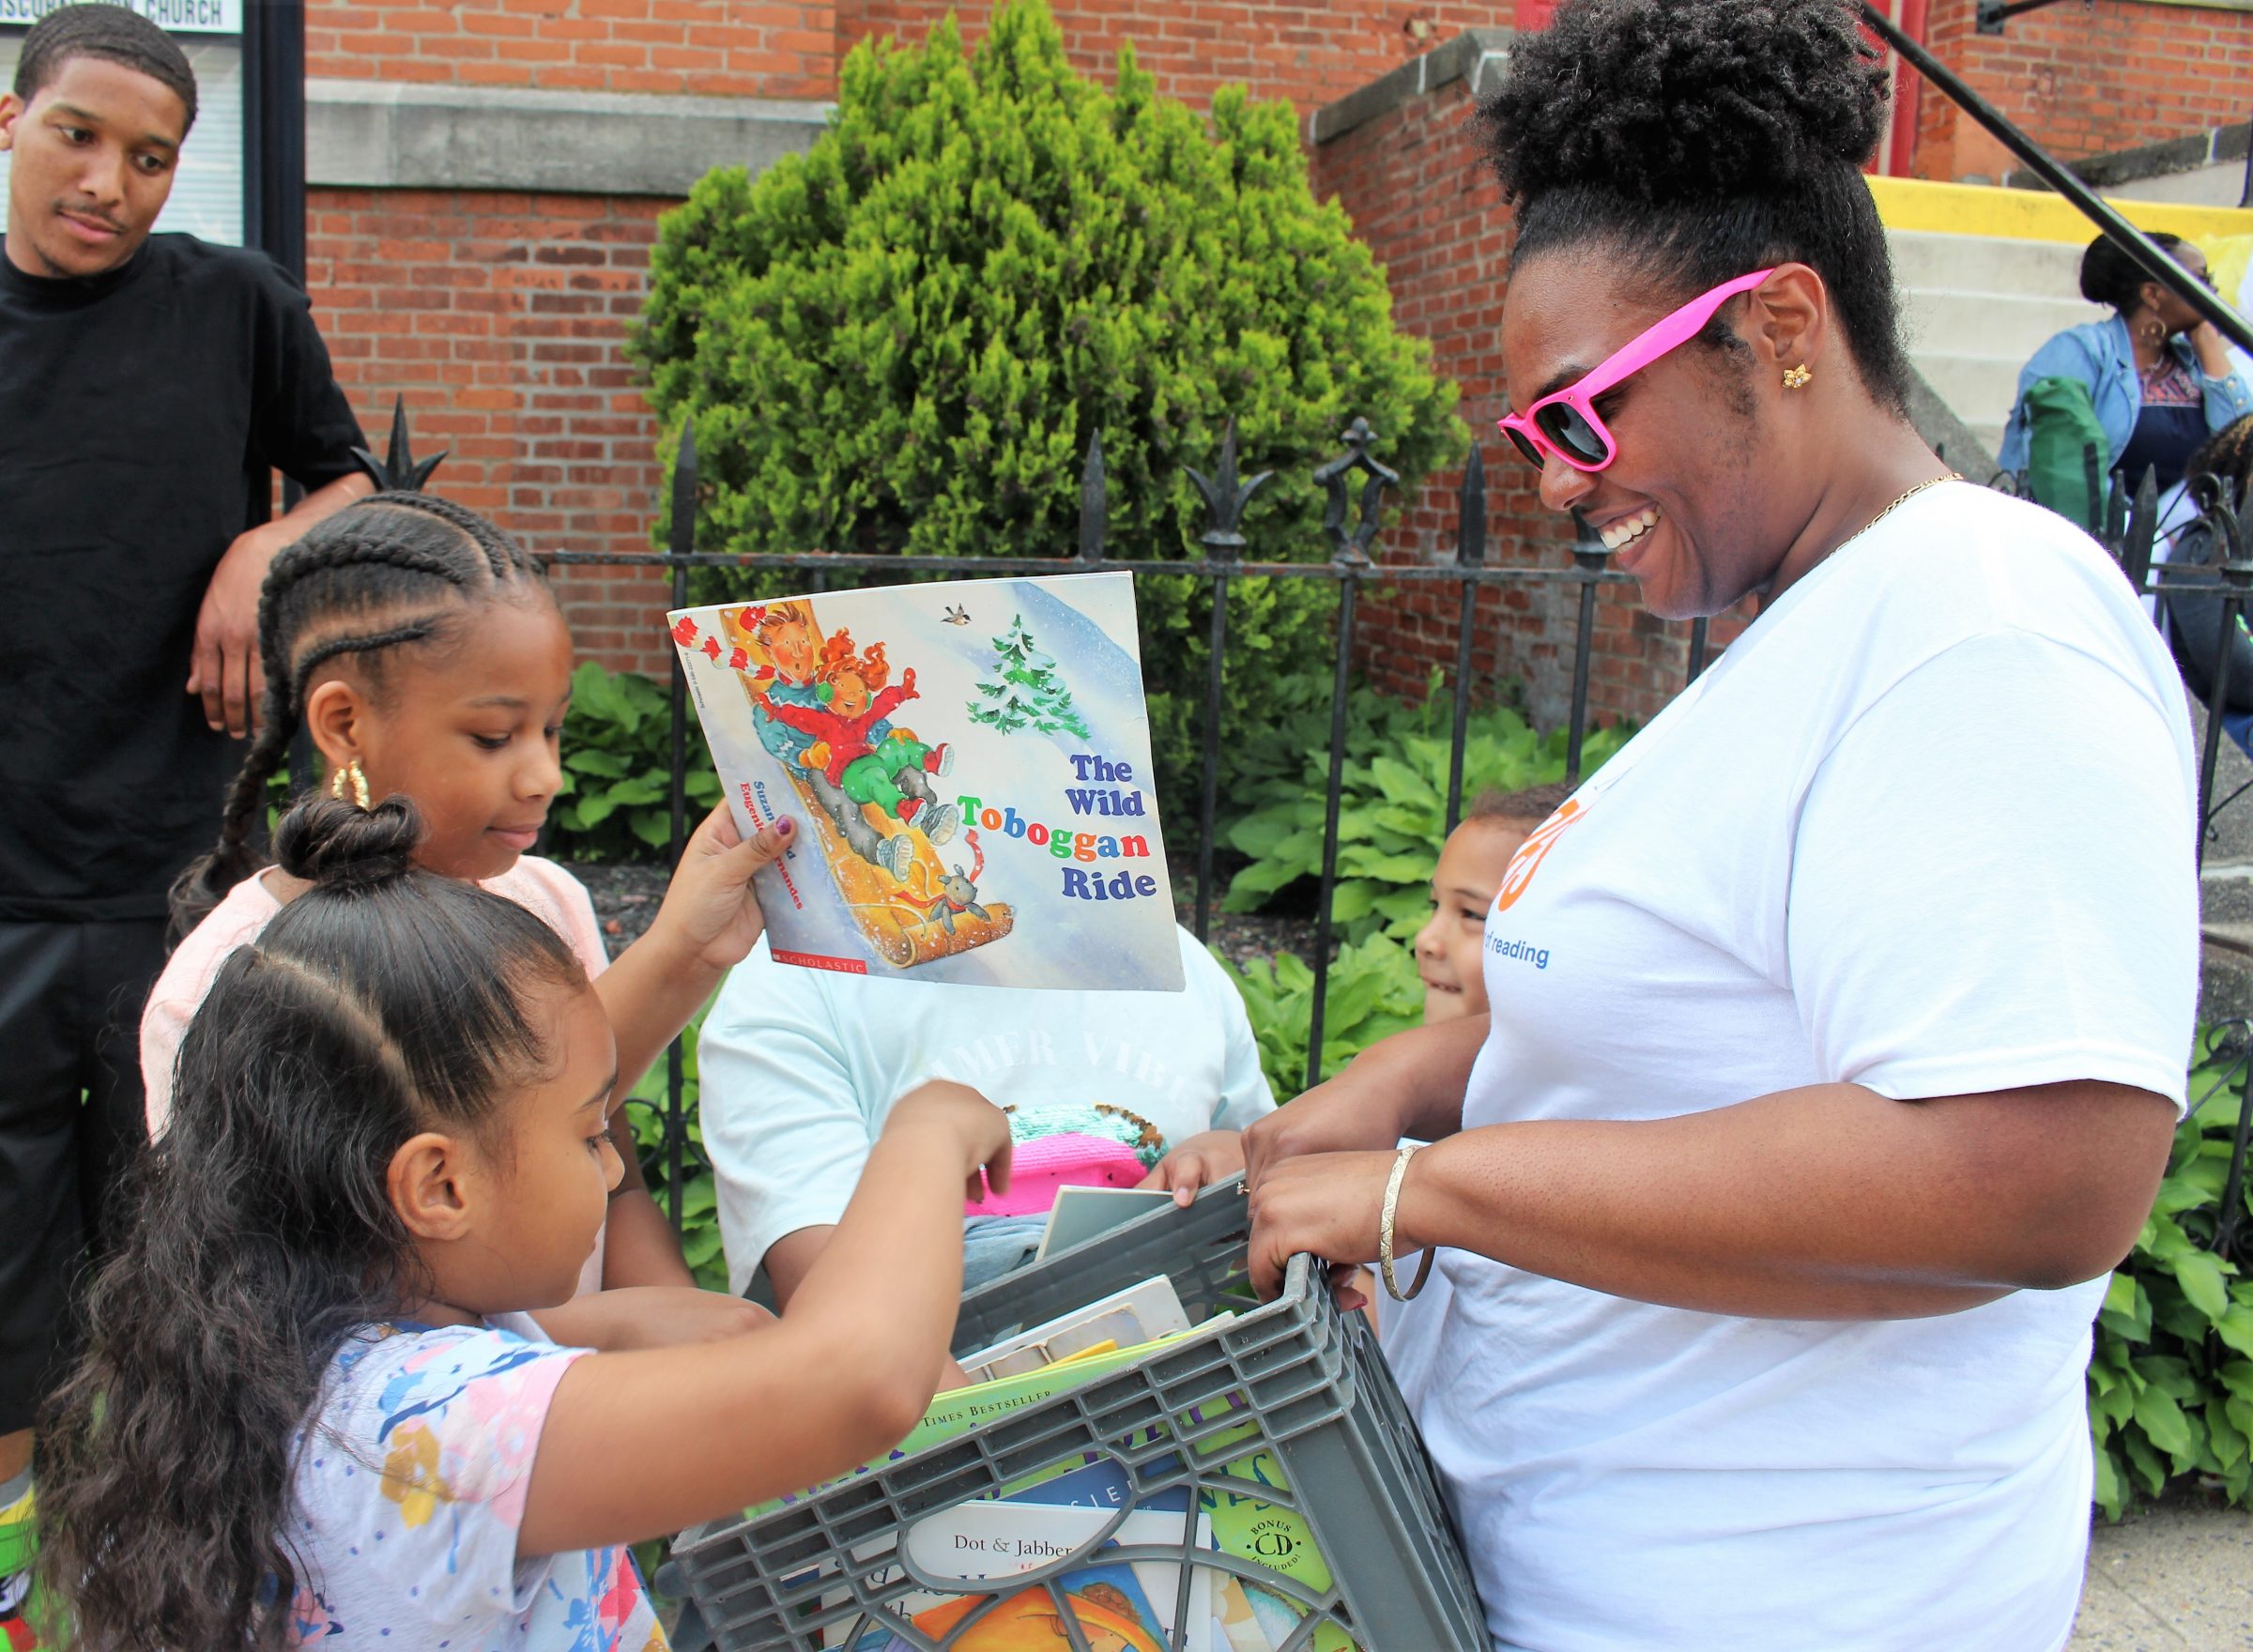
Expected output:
(1836, 1026)
(419, 647)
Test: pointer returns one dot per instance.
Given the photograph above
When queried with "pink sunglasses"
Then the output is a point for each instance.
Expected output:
(1565, 424)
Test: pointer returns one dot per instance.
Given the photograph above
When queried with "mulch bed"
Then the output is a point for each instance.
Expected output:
(626, 898)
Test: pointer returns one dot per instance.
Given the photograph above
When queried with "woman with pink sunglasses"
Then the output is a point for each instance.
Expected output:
(1839, 1023)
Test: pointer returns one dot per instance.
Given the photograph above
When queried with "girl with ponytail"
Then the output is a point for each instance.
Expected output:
(419, 647)
(310, 1407)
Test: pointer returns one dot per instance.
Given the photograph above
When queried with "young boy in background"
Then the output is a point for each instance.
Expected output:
(1451, 956)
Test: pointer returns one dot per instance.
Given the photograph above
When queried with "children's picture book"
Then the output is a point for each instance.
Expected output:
(1254, 1523)
(1243, 1512)
(1138, 1313)
(985, 1540)
(958, 1410)
(1080, 1214)
(1107, 1602)
(970, 763)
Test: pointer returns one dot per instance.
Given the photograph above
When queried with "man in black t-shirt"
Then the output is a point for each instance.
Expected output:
(147, 385)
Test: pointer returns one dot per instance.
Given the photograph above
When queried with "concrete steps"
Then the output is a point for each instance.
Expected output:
(1975, 307)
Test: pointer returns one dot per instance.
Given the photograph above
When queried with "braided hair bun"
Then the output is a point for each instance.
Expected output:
(1685, 142)
(334, 845)
(1666, 101)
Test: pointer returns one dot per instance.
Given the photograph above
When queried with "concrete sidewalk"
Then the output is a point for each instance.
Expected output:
(2174, 1575)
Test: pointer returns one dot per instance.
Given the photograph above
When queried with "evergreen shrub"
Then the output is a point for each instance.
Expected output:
(901, 341)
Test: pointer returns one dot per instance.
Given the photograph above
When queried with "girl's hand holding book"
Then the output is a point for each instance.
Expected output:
(710, 914)
(707, 923)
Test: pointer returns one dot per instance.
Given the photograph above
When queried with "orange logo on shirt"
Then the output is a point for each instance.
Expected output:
(1528, 861)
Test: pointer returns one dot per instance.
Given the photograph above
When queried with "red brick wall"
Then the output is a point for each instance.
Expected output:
(1307, 53)
(716, 48)
(2084, 79)
(1420, 196)
(501, 318)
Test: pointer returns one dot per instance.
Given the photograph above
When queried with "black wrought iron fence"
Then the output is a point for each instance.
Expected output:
(1357, 484)
(2198, 551)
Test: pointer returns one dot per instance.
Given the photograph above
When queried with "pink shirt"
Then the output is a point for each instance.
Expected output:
(540, 886)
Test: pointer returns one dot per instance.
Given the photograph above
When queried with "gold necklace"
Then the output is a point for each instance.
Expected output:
(1901, 500)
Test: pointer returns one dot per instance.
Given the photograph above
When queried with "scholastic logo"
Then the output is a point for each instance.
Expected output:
(1528, 861)
(821, 960)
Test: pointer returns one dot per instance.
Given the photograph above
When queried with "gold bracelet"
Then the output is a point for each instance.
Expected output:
(1393, 1201)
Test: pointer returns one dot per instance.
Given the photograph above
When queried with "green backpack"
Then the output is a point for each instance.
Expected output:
(2061, 431)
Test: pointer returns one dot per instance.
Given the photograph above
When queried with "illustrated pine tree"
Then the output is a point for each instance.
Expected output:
(1025, 689)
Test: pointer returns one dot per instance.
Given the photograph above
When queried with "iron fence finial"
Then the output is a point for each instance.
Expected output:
(1470, 517)
(1225, 497)
(681, 533)
(1354, 547)
(1092, 507)
(397, 473)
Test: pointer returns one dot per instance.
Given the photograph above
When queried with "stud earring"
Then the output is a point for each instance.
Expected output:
(1797, 377)
(352, 774)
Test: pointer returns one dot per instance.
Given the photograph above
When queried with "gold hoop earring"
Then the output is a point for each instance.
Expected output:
(352, 774)
(1797, 377)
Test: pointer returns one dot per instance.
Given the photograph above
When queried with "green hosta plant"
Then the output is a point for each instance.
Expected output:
(1373, 992)
(615, 802)
(1392, 815)
(2170, 1380)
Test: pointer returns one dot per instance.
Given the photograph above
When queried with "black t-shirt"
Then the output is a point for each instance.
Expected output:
(139, 410)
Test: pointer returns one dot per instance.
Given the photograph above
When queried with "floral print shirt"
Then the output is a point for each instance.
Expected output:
(412, 1475)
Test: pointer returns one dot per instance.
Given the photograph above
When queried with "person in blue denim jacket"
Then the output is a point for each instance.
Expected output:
(2158, 376)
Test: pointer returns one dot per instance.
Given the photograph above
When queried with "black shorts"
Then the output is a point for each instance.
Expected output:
(71, 1118)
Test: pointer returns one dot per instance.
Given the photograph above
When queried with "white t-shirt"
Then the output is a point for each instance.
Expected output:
(408, 1492)
(1927, 828)
(800, 1068)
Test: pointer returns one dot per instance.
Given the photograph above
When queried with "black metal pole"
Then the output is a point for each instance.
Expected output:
(1348, 585)
(2233, 1183)
(2133, 241)
(681, 539)
(1225, 497)
(273, 148)
(2140, 532)
(1700, 635)
(1210, 796)
(2237, 576)
(1471, 552)
(2217, 701)
(273, 131)
(1587, 556)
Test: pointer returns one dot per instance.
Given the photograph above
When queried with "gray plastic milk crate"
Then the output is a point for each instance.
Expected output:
(1292, 1378)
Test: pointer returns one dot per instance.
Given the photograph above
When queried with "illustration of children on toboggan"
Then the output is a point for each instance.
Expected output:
(825, 708)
